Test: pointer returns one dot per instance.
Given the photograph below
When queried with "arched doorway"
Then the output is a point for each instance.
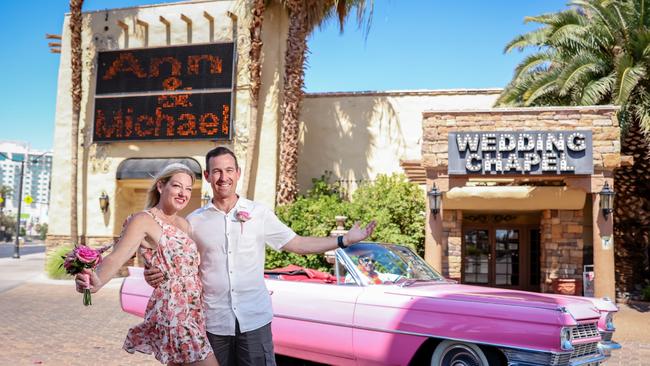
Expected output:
(134, 177)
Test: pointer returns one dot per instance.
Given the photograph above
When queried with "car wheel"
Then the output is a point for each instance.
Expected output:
(454, 353)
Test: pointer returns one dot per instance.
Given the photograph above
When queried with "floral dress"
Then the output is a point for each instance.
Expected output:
(174, 325)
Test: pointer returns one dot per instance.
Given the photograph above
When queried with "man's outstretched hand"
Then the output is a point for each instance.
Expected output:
(154, 276)
(357, 233)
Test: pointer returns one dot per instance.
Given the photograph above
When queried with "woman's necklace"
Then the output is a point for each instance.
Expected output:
(165, 218)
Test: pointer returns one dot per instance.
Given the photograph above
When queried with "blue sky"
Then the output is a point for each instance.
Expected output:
(412, 44)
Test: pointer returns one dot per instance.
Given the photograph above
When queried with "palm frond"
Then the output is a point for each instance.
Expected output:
(543, 86)
(558, 19)
(534, 63)
(628, 76)
(533, 38)
(571, 36)
(640, 45)
(593, 7)
(512, 94)
(578, 72)
(640, 109)
(598, 90)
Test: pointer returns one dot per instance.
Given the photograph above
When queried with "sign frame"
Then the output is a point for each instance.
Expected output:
(581, 161)
(232, 95)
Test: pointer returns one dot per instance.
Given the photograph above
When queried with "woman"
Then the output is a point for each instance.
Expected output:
(174, 324)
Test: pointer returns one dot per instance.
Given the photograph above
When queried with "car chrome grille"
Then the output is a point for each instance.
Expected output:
(580, 350)
(579, 354)
(585, 331)
(529, 358)
(561, 358)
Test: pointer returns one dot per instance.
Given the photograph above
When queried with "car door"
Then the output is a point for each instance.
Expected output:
(314, 320)
(383, 327)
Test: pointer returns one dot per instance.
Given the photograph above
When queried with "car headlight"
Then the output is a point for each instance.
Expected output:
(609, 322)
(565, 339)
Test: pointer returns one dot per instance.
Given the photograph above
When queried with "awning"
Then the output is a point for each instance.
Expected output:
(514, 198)
(147, 168)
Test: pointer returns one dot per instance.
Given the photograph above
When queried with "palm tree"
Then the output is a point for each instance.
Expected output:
(75, 59)
(304, 17)
(598, 52)
(255, 70)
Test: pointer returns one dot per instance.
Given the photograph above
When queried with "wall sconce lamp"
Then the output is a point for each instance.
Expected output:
(607, 200)
(205, 199)
(435, 196)
(103, 202)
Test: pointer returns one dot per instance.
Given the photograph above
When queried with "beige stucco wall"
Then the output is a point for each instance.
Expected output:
(98, 162)
(357, 136)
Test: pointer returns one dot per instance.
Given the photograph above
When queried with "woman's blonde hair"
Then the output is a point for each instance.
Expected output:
(153, 196)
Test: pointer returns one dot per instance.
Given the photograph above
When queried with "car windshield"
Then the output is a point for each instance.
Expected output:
(389, 263)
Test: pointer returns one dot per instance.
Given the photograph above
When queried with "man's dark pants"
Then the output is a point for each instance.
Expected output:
(254, 348)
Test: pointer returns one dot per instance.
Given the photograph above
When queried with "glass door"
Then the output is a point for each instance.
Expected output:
(491, 256)
(477, 255)
(506, 259)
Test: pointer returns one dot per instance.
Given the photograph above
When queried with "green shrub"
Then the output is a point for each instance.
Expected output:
(42, 231)
(54, 263)
(398, 207)
(395, 203)
(9, 223)
(645, 293)
(310, 215)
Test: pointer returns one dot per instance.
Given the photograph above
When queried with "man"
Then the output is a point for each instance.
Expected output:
(367, 268)
(231, 233)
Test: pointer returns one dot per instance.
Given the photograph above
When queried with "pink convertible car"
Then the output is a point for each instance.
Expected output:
(384, 305)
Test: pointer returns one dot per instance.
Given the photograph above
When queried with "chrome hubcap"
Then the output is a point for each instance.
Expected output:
(460, 355)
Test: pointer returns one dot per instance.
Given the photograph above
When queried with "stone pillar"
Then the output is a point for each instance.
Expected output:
(433, 239)
(452, 244)
(604, 281)
(561, 249)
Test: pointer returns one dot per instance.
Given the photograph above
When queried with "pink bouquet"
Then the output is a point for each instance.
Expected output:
(82, 257)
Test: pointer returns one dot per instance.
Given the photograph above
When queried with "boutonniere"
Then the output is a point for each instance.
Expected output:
(242, 216)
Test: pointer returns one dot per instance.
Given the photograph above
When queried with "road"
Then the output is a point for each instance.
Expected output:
(7, 249)
(16, 271)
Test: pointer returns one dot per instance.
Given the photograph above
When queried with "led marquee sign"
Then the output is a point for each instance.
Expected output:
(165, 93)
(524, 152)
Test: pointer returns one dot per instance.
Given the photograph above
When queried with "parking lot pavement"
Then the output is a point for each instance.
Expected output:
(632, 328)
(46, 324)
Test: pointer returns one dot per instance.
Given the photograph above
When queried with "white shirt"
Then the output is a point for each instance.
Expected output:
(232, 264)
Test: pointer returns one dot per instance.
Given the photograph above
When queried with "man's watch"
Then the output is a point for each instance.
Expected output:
(339, 242)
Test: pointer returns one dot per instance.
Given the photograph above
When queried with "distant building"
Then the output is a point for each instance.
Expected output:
(36, 181)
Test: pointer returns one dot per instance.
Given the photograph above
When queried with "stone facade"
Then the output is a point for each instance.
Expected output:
(601, 121)
(452, 221)
(562, 247)
(568, 235)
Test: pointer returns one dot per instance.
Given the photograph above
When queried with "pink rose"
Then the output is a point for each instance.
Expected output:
(68, 263)
(86, 254)
(243, 216)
